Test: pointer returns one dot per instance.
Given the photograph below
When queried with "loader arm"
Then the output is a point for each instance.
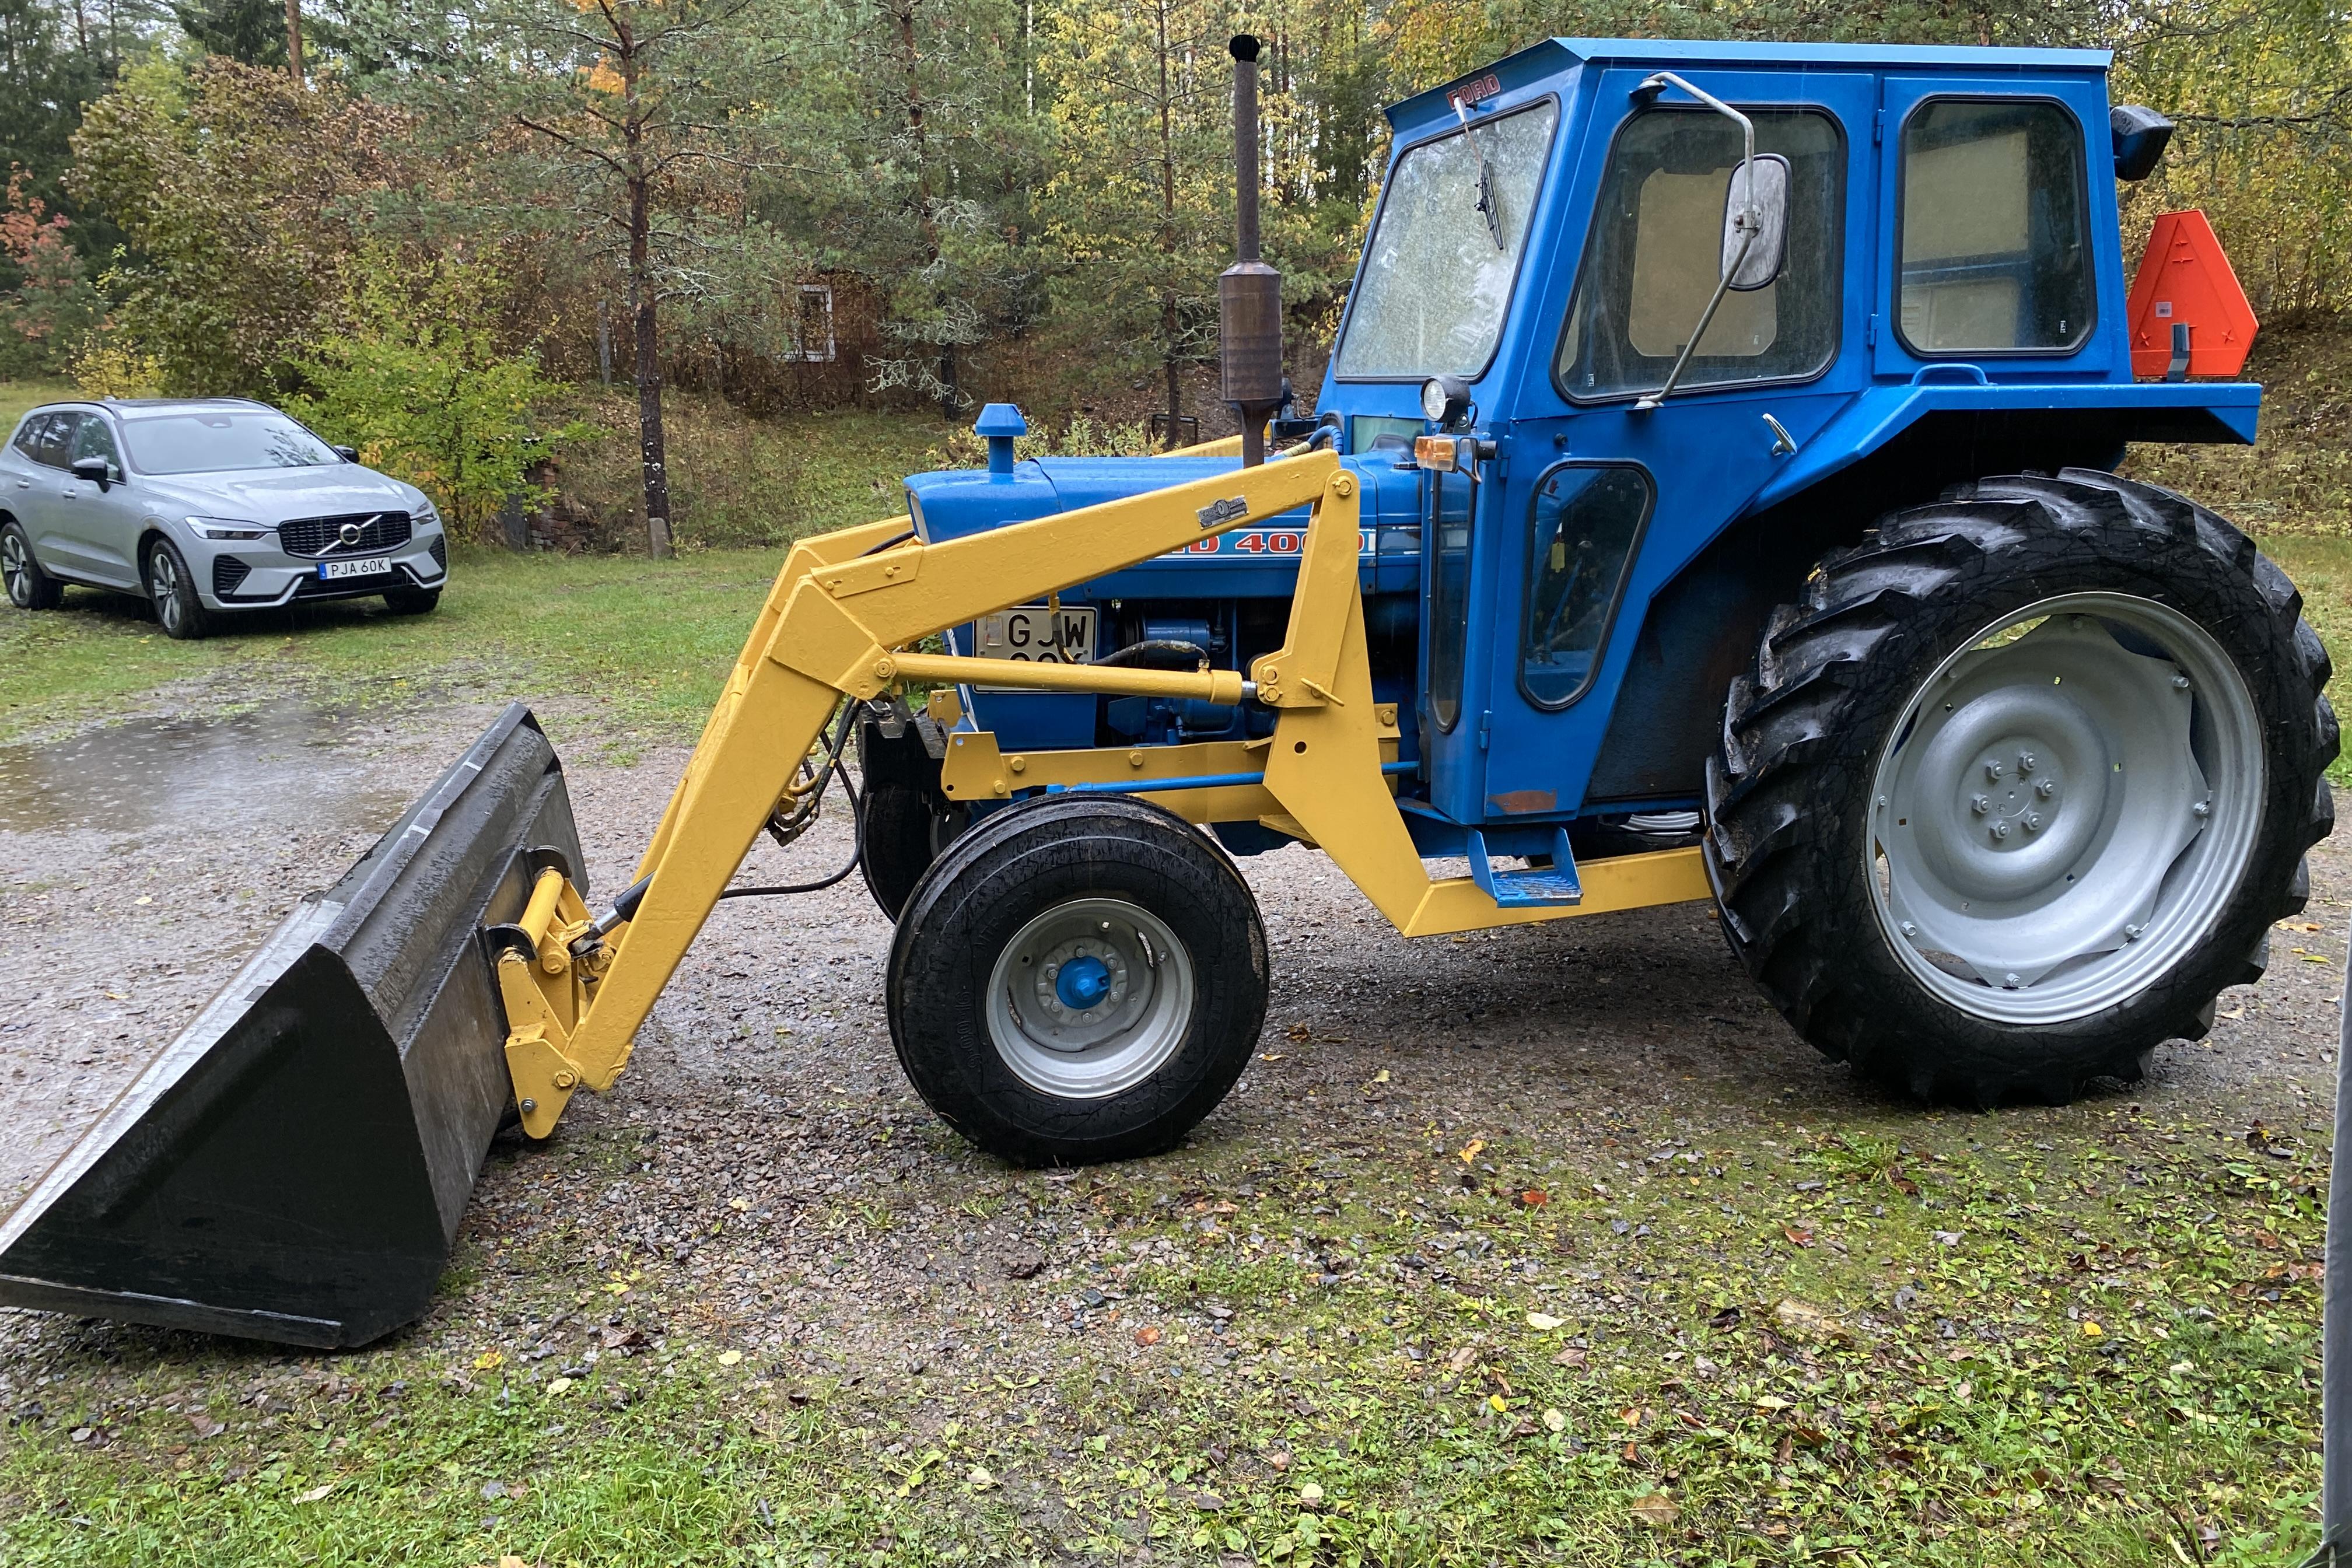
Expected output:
(838, 621)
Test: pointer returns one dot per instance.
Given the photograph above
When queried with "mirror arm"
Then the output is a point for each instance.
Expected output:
(1651, 86)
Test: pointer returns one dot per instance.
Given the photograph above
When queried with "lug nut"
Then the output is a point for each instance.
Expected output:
(1052, 970)
(2009, 981)
(2045, 788)
(1979, 805)
(2001, 830)
(1993, 770)
(2032, 822)
(2025, 762)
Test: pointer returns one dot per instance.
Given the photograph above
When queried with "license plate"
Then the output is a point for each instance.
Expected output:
(373, 566)
(1035, 634)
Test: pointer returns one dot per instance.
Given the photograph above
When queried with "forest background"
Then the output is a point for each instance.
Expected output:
(604, 273)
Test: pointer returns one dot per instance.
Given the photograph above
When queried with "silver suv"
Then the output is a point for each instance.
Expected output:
(205, 506)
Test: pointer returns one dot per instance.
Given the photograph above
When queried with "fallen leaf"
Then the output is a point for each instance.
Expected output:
(1497, 1401)
(315, 1493)
(739, 1204)
(1300, 1032)
(557, 1385)
(1534, 1198)
(1571, 1356)
(729, 1358)
(1657, 1511)
(1799, 1235)
(487, 1360)
(1543, 1322)
(979, 1479)
(1727, 1319)
(142, 899)
(1461, 1359)
(1809, 1321)
(1554, 1421)
(1147, 1335)
(1311, 1493)
(1381, 1075)
(1470, 1149)
(2091, 1330)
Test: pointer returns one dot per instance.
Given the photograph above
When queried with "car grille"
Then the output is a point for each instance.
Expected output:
(324, 535)
(228, 572)
(440, 552)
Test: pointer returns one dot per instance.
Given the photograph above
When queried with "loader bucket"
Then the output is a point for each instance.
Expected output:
(294, 1165)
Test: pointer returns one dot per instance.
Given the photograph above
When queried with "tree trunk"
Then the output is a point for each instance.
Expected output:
(294, 40)
(911, 61)
(1169, 342)
(641, 299)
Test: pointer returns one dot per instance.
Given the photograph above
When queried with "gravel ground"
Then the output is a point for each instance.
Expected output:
(762, 1179)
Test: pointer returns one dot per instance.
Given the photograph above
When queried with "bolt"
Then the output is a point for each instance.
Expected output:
(1909, 929)
(2200, 809)
(2180, 683)
(563, 1081)
(1979, 805)
(2025, 762)
(2032, 822)
(1993, 770)
(1052, 970)
(1106, 925)
(2009, 981)
(528, 1106)
(2131, 933)
(2045, 788)
(2000, 831)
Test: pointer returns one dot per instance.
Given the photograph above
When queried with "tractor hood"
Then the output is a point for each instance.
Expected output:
(1259, 559)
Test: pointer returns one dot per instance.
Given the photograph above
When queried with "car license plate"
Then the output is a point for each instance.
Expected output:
(1036, 634)
(373, 566)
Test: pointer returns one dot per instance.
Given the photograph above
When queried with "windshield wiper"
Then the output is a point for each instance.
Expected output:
(1487, 204)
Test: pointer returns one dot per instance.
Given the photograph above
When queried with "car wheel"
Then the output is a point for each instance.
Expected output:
(172, 589)
(412, 601)
(30, 587)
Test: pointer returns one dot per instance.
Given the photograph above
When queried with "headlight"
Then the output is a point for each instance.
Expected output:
(427, 516)
(225, 528)
(1444, 399)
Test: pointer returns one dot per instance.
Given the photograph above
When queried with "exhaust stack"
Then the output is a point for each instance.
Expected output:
(1249, 292)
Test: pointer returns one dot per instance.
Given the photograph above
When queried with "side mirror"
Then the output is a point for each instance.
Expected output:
(1756, 223)
(348, 454)
(95, 470)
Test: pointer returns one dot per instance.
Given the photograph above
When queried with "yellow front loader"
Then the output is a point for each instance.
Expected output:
(294, 1166)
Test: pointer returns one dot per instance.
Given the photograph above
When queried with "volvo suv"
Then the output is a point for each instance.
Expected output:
(206, 506)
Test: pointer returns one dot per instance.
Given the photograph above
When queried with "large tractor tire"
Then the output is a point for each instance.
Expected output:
(2021, 786)
(903, 828)
(1079, 978)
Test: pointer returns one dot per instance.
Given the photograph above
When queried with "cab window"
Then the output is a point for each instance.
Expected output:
(1583, 524)
(1995, 257)
(1652, 263)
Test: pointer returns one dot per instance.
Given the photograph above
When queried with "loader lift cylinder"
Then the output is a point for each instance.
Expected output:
(1249, 292)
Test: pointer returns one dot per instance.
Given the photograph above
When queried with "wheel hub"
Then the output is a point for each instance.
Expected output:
(1091, 997)
(2051, 797)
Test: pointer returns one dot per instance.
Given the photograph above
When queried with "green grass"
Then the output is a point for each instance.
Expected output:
(2321, 565)
(623, 646)
(2113, 1355)
(16, 396)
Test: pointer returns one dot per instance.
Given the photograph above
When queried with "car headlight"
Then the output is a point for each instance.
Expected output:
(225, 528)
(427, 516)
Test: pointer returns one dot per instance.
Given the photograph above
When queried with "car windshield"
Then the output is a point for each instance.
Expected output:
(210, 441)
(1437, 275)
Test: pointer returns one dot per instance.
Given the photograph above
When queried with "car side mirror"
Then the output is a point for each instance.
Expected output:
(96, 470)
(1756, 223)
(348, 454)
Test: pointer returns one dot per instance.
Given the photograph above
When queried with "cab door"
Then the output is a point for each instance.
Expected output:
(1610, 487)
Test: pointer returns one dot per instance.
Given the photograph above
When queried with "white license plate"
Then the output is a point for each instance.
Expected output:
(1034, 633)
(373, 566)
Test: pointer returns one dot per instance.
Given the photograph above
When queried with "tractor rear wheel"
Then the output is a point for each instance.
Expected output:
(1078, 979)
(2021, 786)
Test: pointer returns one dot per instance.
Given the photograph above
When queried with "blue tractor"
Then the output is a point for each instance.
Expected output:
(1711, 497)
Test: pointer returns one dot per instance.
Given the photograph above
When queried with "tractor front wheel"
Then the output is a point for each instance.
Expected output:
(1078, 979)
(2021, 786)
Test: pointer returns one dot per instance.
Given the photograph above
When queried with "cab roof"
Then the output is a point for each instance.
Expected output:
(1554, 56)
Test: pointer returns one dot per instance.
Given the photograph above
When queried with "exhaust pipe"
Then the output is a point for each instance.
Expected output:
(294, 1166)
(1249, 292)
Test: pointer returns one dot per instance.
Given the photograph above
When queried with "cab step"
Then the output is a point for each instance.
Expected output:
(1533, 888)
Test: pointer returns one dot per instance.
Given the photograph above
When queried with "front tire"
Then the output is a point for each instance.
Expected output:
(30, 587)
(2021, 786)
(412, 601)
(1078, 979)
(172, 590)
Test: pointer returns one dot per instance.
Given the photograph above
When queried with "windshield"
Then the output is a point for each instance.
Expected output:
(1437, 276)
(217, 441)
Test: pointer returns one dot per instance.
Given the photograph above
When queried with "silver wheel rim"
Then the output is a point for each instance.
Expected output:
(2067, 807)
(15, 570)
(1144, 977)
(163, 579)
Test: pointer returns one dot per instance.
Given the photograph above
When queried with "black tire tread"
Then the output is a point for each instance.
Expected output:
(1790, 741)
